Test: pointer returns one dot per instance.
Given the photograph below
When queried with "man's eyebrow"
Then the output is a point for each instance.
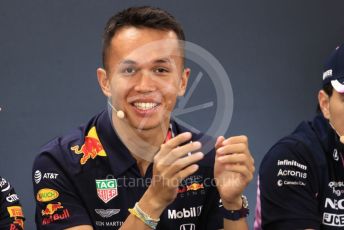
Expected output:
(163, 61)
(166, 60)
(128, 62)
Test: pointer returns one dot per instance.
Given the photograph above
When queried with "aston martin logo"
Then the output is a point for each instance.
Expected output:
(107, 213)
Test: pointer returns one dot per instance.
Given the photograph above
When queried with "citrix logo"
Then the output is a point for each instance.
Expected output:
(185, 213)
(12, 198)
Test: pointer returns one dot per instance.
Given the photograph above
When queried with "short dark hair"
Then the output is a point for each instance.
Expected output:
(144, 16)
(328, 89)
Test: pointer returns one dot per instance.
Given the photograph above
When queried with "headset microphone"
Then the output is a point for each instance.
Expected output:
(119, 113)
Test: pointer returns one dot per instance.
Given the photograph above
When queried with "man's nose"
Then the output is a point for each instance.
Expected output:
(145, 82)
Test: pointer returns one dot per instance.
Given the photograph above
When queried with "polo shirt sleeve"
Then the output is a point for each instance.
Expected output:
(288, 188)
(57, 202)
(11, 212)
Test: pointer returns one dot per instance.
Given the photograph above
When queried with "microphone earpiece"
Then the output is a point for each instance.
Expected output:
(119, 113)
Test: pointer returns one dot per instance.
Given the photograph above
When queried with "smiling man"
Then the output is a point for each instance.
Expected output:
(132, 166)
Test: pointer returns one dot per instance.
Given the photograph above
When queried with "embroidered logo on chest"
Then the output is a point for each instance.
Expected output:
(91, 148)
(107, 189)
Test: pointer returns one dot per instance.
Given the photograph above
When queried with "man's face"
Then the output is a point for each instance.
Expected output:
(333, 109)
(144, 75)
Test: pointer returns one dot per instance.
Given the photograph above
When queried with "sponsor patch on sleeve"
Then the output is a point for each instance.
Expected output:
(46, 195)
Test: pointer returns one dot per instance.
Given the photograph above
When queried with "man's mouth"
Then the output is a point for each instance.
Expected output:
(145, 105)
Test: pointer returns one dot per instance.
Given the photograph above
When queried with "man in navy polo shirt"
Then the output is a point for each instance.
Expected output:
(301, 179)
(131, 166)
(11, 212)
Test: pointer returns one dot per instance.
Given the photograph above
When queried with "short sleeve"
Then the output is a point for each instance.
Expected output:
(57, 202)
(288, 188)
(11, 212)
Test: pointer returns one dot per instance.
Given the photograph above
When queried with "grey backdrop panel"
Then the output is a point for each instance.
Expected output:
(49, 51)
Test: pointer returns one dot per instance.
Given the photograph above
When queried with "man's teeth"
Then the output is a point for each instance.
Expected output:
(145, 106)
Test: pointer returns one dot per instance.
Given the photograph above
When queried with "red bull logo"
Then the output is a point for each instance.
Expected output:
(17, 214)
(91, 148)
(194, 187)
(191, 187)
(17, 224)
(50, 209)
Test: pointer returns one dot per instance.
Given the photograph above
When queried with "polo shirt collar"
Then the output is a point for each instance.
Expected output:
(118, 154)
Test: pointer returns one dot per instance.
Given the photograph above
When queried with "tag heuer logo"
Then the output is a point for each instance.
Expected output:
(107, 189)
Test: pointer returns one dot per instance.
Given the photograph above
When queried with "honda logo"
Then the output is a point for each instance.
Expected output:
(187, 227)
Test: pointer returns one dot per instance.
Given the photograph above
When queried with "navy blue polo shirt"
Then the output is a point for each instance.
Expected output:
(11, 212)
(88, 177)
(301, 180)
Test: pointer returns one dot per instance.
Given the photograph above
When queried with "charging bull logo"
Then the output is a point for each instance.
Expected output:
(54, 212)
(194, 187)
(17, 224)
(191, 187)
(91, 148)
(17, 214)
(50, 209)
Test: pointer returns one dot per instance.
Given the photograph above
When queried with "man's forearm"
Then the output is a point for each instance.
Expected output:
(149, 206)
(132, 222)
(240, 224)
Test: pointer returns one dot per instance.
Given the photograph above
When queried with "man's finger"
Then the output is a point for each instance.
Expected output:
(176, 141)
(232, 148)
(236, 140)
(181, 175)
(179, 152)
(219, 141)
(234, 159)
(242, 159)
(184, 162)
(242, 169)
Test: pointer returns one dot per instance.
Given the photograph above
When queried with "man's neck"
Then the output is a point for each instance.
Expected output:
(142, 144)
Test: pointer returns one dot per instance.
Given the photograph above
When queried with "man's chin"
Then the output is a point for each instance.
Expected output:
(147, 125)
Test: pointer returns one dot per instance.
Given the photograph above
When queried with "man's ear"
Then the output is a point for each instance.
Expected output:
(104, 82)
(324, 103)
(184, 81)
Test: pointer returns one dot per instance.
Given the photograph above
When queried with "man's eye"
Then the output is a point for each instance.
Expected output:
(161, 70)
(129, 70)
